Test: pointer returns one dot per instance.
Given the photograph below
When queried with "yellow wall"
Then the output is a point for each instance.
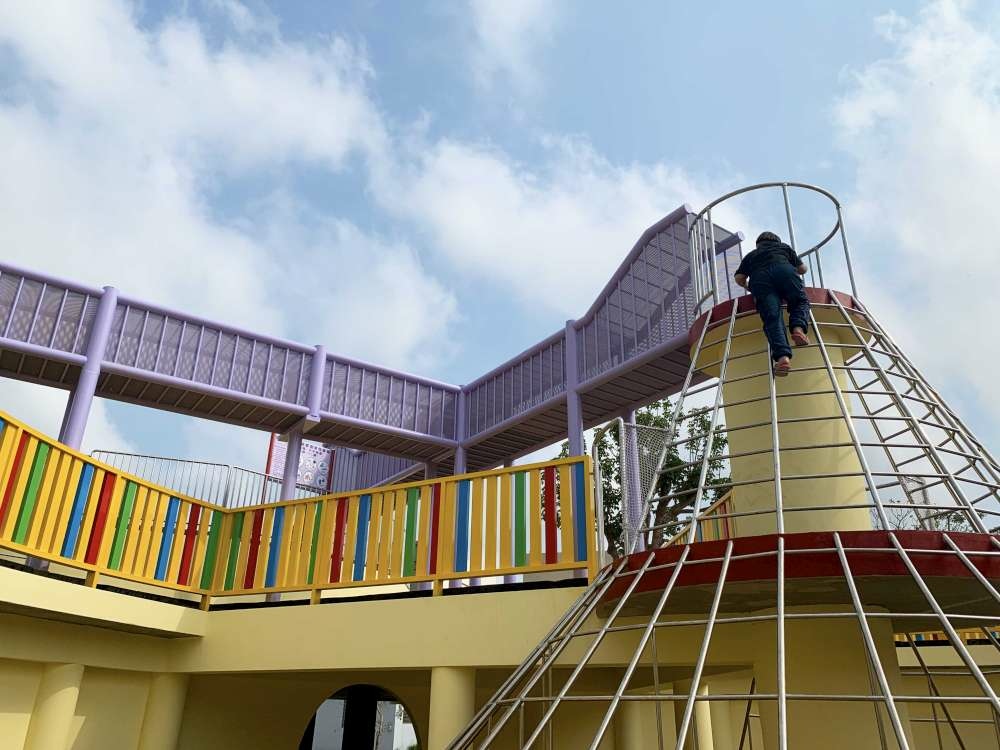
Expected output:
(759, 498)
(258, 675)
(18, 684)
(109, 710)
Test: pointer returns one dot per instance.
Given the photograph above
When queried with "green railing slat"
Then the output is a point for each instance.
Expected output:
(234, 550)
(208, 568)
(410, 550)
(317, 517)
(31, 494)
(121, 528)
(520, 525)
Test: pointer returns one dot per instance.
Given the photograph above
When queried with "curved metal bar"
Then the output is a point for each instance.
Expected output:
(710, 276)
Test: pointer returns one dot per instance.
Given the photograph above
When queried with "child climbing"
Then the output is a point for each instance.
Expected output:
(775, 276)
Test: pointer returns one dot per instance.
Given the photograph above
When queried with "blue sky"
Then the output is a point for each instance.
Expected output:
(437, 185)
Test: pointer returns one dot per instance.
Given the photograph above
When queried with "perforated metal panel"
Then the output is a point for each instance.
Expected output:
(156, 342)
(44, 314)
(389, 398)
(650, 300)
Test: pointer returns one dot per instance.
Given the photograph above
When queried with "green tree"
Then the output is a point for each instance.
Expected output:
(682, 465)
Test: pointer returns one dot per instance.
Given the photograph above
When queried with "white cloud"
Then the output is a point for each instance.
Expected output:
(42, 408)
(378, 302)
(552, 232)
(507, 35)
(923, 125)
(120, 142)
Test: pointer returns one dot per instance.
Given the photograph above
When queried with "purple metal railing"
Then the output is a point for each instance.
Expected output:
(645, 306)
(387, 397)
(45, 313)
(51, 318)
(525, 382)
(648, 301)
(156, 340)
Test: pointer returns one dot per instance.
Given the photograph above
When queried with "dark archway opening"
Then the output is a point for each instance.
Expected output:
(360, 717)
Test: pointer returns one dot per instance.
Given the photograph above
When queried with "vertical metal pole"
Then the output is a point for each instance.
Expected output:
(847, 250)
(643, 640)
(711, 259)
(779, 508)
(710, 438)
(866, 633)
(574, 411)
(290, 475)
(78, 408)
(460, 457)
(672, 425)
(228, 488)
(791, 232)
(780, 632)
(705, 642)
(949, 629)
(846, 413)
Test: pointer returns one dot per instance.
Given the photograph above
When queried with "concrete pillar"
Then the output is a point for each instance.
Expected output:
(635, 725)
(838, 667)
(55, 706)
(453, 704)
(574, 409)
(82, 396)
(316, 375)
(724, 735)
(699, 734)
(628, 725)
(161, 723)
(835, 490)
(704, 736)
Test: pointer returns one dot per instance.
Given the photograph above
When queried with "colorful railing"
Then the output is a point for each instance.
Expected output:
(715, 524)
(62, 506)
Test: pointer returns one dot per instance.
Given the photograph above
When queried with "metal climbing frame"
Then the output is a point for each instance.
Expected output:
(707, 265)
(813, 559)
(921, 468)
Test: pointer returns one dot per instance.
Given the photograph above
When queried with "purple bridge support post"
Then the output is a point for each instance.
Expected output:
(460, 460)
(293, 452)
(574, 411)
(516, 577)
(574, 408)
(290, 476)
(82, 395)
(461, 466)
